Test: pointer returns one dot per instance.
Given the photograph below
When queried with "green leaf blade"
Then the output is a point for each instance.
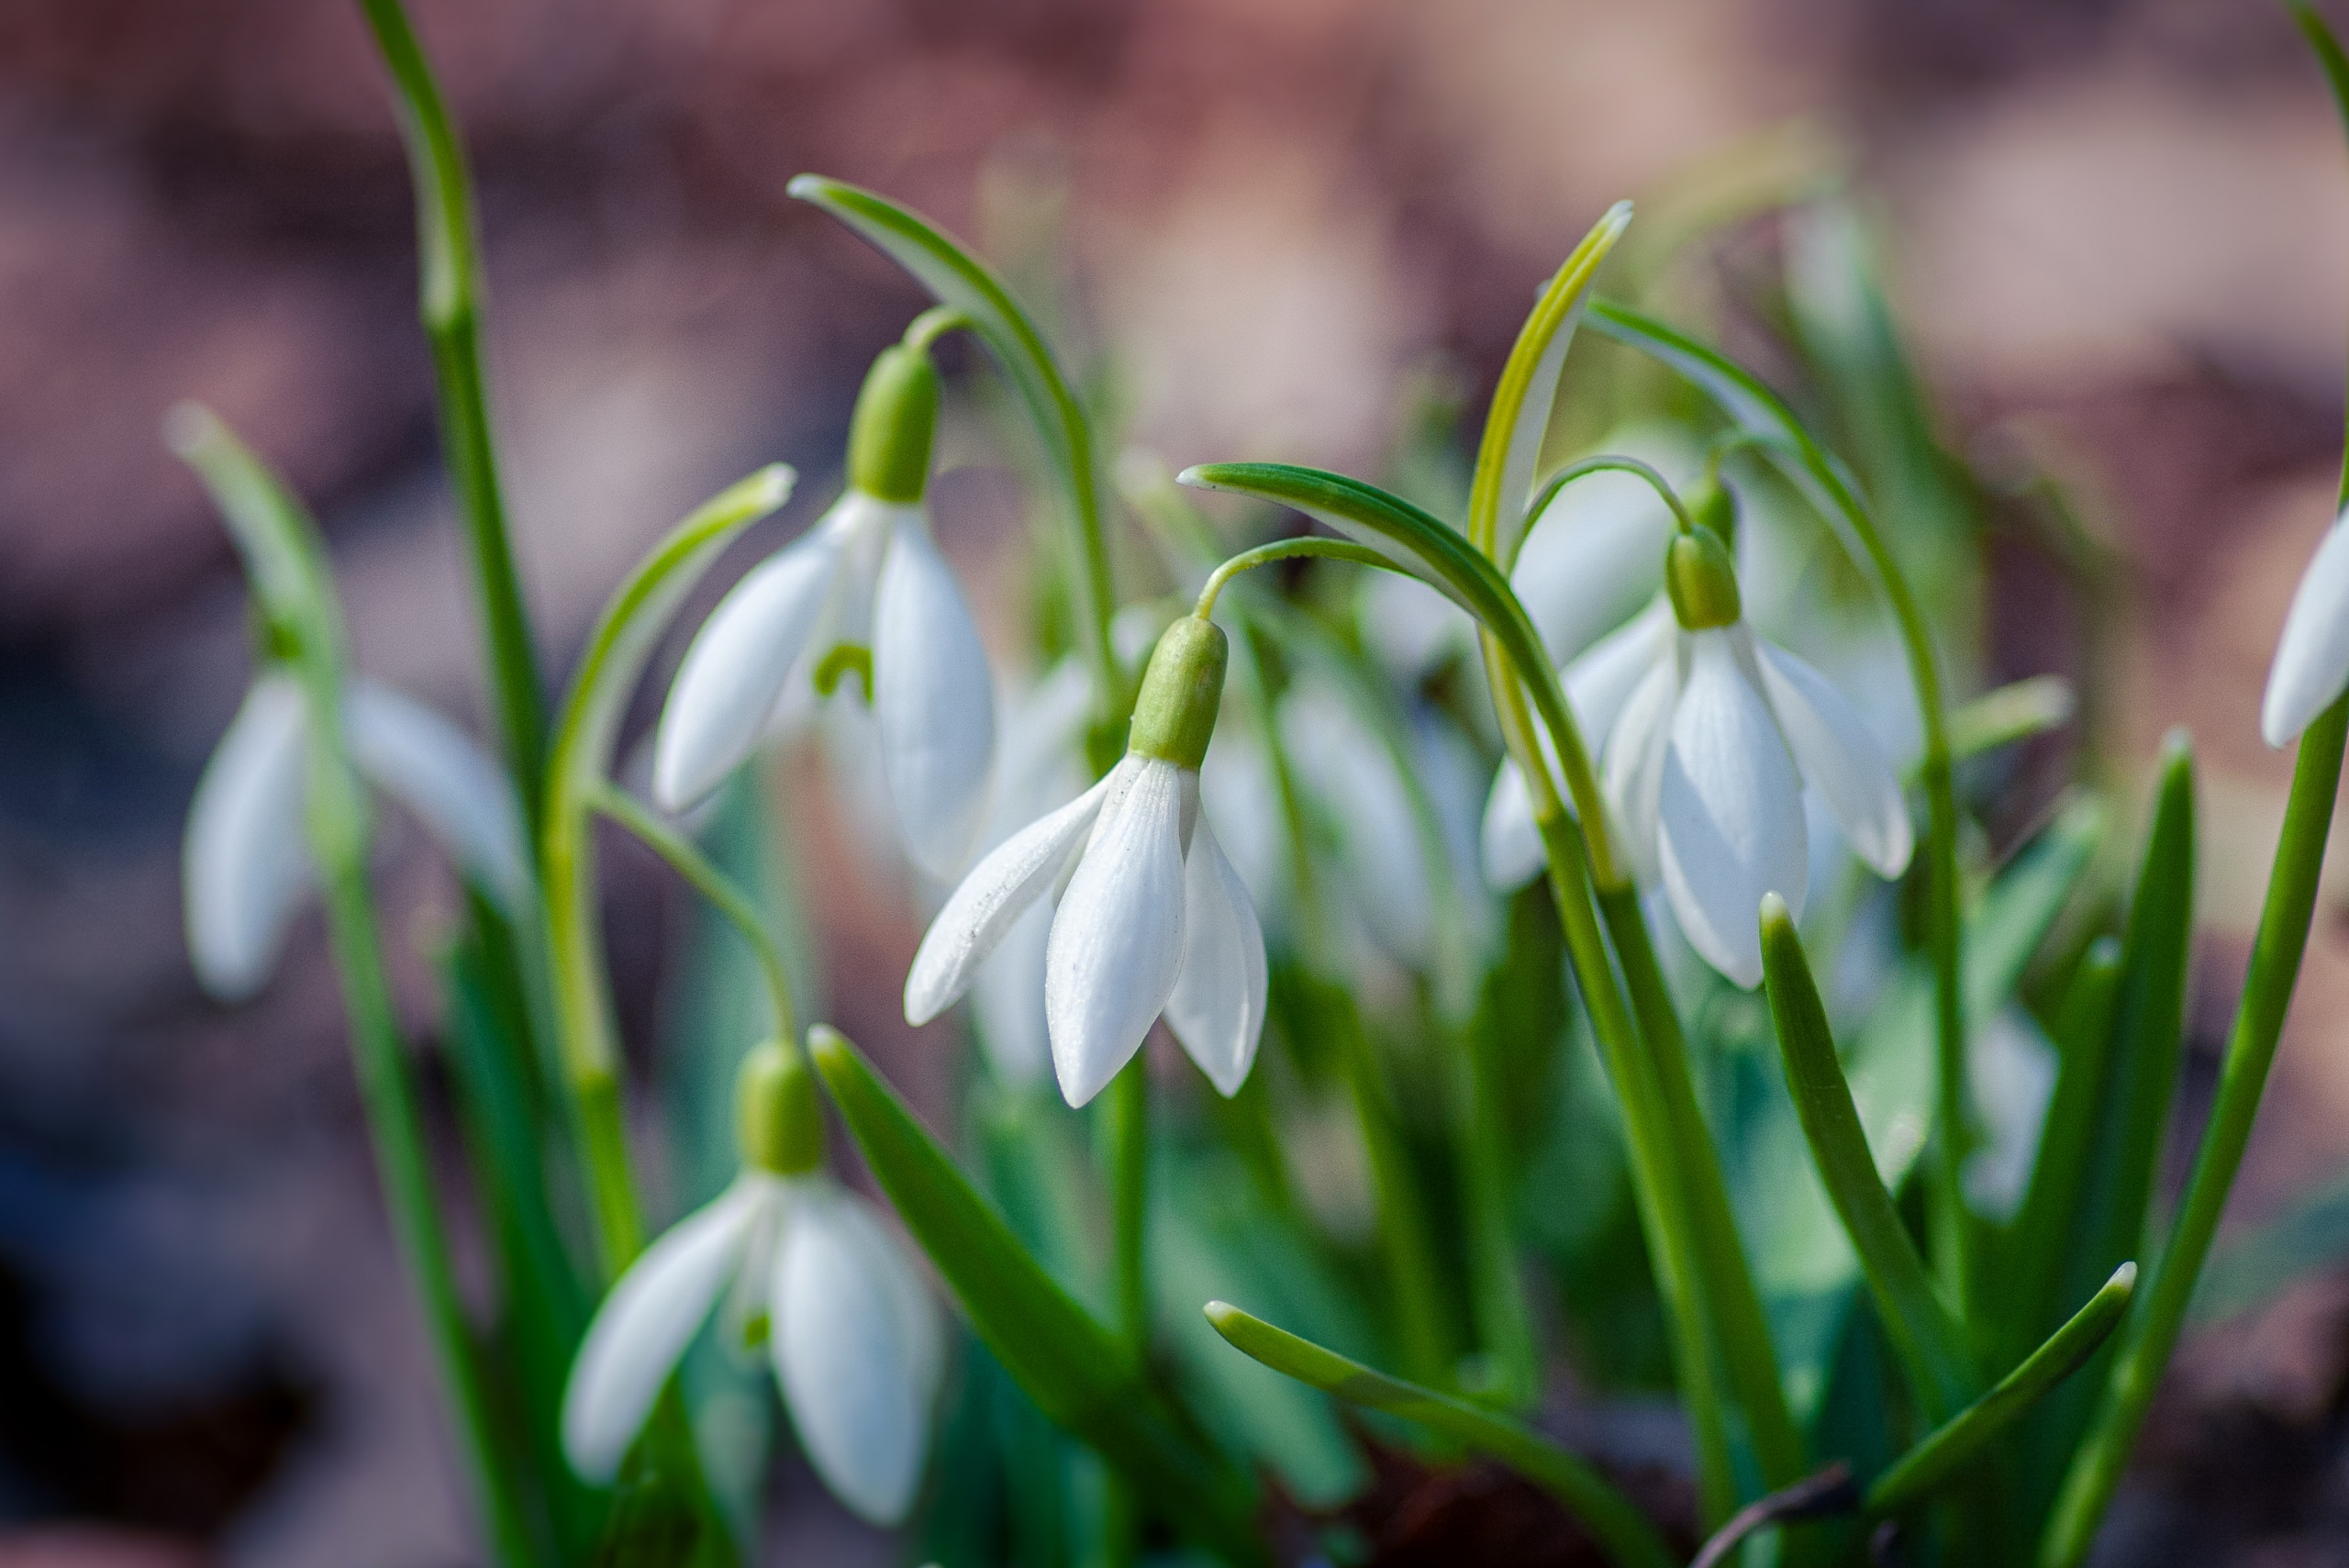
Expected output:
(1079, 1375)
(1627, 1533)
(1929, 1343)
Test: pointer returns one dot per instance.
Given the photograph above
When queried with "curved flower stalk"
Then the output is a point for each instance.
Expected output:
(246, 869)
(805, 1267)
(2311, 666)
(1152, 919)
(865, 594)
(1588, 557)
(1710, 735)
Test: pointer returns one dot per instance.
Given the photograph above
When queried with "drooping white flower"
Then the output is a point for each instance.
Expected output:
(2311, 666)
(853, 1337)
(1152, 919)
(245, 864)
(1707, 737)
(863, 593)
(1039, 769)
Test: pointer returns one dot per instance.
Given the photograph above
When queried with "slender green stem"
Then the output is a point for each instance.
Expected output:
(1626, 1534)
(1658, 1184)
(1738, 1316)
(2153, 1328)
(1948, 1448)
(1282, 549)
(1603, 464)
(450, 291)
(396, 1131)
(687, 861)
(1128, 1135)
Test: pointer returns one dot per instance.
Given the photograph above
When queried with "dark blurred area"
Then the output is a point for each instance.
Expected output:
(2120, 230)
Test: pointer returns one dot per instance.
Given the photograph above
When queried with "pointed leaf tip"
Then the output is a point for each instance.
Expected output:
(188, 426)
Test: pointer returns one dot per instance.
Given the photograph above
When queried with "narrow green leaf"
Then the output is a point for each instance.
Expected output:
(1627, 1533)
(1077, 1373)
(1510, 450)
(958, 279)
(1965, 1435)
(2108, 1220)
(2041, 1234)
(2013, 712)
(632, 623)
(578, 762)
(2327, 52)
(1930, 1345)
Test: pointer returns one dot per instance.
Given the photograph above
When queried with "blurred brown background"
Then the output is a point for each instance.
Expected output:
(2122, 225)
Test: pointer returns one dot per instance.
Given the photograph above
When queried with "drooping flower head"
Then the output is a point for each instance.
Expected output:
(863, 596)
(2311, 667)
(1708, 736)
(807, 1267)
(1152, 919)
(245, 864)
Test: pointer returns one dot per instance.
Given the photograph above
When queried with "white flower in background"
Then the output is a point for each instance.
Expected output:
(2011, 1073)
(246, 864)
(2312, 656)
(853, 1336)
(862, 594)
(1588, 559)
(1150, 917)
(1707, 737)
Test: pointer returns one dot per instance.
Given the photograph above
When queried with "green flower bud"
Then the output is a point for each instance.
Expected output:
(778, 1123)
(1175, 715)
(1702, 581)
(896, 417)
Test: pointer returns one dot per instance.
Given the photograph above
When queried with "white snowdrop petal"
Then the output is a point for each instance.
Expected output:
(857, 1350)
(934, 698)
(1602, 680)
(244, 865)
(433, 768)
(1117, 943)
(2312, 655)
(1382, 847)
(719, 704)
(1594, 556)
(1008, 997)
(1509, 844)
(1013, 876)
(1839, 758)
(645, 1323)
(1217, 1007)
(1631, 772)
(1729, 812)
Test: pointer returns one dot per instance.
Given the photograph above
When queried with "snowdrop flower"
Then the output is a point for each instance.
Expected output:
(1588, 559)
(863, 593)
(2312, 656)
(1151, 919)
(1707, 737)
(1382, 848)
(1039, 770)
(245, 865)
(807, 1266)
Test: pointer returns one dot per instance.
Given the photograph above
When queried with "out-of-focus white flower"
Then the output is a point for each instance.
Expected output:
(855, 1338)
(2311, 666)
(1039, 769)
(1151, 917)
(863, 593)
(1708, 735)
(245, 865)
(1382, 848)
(1589, 557)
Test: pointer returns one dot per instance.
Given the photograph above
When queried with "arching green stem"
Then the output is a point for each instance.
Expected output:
(449, 268)
(687, 861)
(1282, 549)
(1607, 463)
